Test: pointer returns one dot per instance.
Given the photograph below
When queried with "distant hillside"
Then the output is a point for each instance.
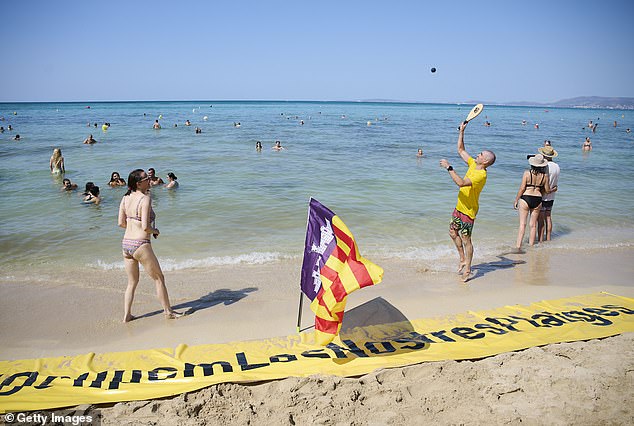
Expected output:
(579, 102)
(596, 102)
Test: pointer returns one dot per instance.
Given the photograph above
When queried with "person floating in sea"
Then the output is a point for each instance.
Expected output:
(116, 180)
(87, 188)
(419, 154)
(67, 185)
(154, 180)
(90, 140)
(258, 146)
(471, 185)
(587, 145)
(138, 219)
(278, 146)
(93, 196)
(156, 125)
(172, 181)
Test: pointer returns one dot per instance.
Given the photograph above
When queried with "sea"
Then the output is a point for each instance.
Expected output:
(238, 206)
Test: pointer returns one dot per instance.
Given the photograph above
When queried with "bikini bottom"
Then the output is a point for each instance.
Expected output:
(533, 201)
(129, 246)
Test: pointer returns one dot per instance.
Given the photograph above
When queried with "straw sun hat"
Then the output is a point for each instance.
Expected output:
(537, 161)
(548, 151)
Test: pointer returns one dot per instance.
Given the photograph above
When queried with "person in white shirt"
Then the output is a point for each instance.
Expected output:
(544, 222)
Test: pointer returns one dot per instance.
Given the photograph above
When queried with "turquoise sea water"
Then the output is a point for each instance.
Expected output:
(236, 205)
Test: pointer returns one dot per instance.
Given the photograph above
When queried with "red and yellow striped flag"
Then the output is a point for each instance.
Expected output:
(332, 269)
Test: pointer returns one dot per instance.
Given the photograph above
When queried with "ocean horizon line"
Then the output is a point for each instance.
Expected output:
(523, 104)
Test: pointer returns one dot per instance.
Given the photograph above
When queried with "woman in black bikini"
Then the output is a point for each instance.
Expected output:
(529, 197)
(137, 218)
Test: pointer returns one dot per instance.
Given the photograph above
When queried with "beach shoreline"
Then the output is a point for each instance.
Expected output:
(247, 302)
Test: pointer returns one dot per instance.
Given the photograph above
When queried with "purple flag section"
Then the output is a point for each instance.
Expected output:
(320, 242)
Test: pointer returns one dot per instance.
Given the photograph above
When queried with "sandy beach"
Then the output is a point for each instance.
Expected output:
(74, 314)
(77, 313)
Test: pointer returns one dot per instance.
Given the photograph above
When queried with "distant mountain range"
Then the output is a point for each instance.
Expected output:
(578, 102)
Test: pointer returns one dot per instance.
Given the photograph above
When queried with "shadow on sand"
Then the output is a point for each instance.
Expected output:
(374, 320)
(221, 296)
(503, 263)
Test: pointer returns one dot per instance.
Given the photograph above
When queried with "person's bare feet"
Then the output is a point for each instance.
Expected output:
(129, 318)
(174, 315)
(468, 275)
(461, 266)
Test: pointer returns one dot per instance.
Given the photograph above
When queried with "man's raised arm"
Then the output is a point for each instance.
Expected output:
(461, 151)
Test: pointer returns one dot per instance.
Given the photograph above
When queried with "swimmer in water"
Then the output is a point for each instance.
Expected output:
(57, 162)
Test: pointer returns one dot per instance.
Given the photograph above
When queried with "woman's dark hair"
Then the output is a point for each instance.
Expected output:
(535, 169)
(112, 176)
(88, 186)
(134, 178)
(172, 175)
(94, 190)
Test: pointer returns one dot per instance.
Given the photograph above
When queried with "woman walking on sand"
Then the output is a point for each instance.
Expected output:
(137, 218)
(529, 197)
(57, 162)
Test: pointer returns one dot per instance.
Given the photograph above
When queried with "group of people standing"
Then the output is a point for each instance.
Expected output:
(535, 198)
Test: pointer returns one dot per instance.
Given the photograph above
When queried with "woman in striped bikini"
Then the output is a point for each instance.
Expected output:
(137, 217)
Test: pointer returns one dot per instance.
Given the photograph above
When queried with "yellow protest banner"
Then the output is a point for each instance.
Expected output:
(137, 375)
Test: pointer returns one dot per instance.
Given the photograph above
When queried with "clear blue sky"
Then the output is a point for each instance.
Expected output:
(319, 50)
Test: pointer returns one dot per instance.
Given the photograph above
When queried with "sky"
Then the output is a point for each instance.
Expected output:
(495, 51)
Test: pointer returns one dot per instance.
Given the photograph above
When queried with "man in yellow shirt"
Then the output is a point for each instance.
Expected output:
(464, 214)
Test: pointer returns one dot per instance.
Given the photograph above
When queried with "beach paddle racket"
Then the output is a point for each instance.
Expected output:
(475, 111)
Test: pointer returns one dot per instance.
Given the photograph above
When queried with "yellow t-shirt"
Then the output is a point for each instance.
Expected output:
(468, 195)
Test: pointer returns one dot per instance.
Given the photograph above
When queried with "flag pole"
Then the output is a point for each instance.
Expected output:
(299, 313)
(301, 293)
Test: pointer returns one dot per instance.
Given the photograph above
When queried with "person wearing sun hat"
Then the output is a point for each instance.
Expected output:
(545, 222)
(534, 186)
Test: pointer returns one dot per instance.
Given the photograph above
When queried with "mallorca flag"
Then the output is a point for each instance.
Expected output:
(332, 269)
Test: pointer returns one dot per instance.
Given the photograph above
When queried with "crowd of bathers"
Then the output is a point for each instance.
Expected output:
(92, 193)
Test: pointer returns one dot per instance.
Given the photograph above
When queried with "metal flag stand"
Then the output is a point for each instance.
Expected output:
(299, 313)
(301, 293)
